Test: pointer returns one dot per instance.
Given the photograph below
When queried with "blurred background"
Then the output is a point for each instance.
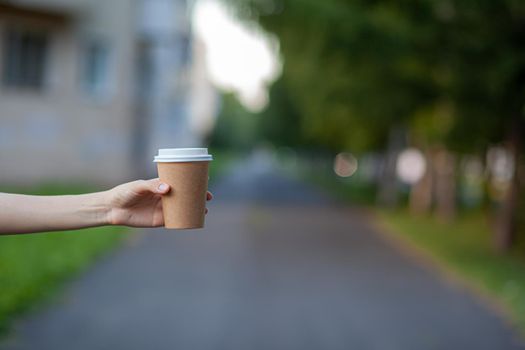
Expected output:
(397, 118)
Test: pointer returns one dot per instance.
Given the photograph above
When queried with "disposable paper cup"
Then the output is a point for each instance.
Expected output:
(186, 171)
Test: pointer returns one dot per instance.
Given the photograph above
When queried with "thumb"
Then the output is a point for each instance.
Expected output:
(154, 186)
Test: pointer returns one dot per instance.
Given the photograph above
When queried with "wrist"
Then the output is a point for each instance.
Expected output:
(100, 208)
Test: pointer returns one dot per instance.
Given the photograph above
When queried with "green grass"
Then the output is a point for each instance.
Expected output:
(465, 248)
(32, 267)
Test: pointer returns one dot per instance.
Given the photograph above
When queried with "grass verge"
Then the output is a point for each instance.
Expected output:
(464, 247)
(33, 266)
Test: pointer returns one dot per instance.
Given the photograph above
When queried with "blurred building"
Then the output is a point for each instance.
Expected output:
(204, 99)
(89, 89)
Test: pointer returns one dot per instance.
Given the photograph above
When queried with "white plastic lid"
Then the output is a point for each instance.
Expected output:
(171, 155)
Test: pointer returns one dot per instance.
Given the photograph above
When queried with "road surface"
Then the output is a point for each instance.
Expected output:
(279, 266)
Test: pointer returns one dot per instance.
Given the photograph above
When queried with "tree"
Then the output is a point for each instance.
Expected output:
(235, 126)
(489, 89)
(451, 72)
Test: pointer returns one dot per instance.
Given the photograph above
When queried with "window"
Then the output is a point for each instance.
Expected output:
(95, 74)
(25, 56)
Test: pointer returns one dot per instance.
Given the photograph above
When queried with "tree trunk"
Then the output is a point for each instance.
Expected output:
(388, 188)
(421, 193)
(506, 217)
(445, 172)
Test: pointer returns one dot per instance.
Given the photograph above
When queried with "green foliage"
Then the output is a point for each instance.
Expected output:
(235, 127)
(355, 68)
(450, 72)
(488, 66)
(346, 69)
(280, 122)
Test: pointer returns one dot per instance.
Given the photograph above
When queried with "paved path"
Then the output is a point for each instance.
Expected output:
(279, 267)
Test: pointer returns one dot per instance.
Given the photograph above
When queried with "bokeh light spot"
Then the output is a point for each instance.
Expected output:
(411, 165)
(345, 164)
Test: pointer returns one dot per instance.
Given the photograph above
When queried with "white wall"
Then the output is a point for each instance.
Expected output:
(61, 132)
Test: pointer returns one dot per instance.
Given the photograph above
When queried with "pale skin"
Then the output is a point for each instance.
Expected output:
(135, 204)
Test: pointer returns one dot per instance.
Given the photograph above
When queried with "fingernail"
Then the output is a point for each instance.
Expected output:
(163, 187)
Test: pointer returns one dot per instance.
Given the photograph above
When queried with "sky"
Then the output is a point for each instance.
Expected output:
(238, 58)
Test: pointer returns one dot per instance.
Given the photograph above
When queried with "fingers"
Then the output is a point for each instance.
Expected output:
(209, 197)
(153, 186)
(157, 186)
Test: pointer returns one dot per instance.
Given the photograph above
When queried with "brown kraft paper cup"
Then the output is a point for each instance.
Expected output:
(185, 204)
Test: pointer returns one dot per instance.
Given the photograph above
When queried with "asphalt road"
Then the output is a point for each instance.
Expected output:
(279, 266)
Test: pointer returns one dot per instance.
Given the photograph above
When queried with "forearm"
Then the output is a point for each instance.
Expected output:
(25, 214)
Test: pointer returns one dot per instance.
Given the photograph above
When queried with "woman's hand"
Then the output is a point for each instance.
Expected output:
(138, 203)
